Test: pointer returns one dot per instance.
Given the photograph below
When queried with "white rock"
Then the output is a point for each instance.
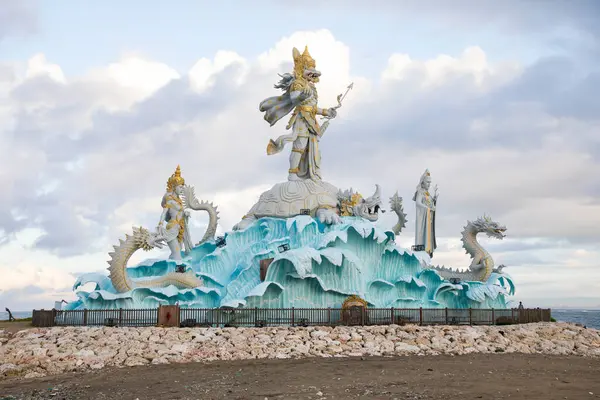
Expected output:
(135, 360)
(406, 348)
(40, 352)
(85, 353)
(58, 350)
(179, 348)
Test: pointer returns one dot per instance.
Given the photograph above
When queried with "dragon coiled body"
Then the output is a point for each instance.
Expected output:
(482, 265)
(142, 238)
(145, 240)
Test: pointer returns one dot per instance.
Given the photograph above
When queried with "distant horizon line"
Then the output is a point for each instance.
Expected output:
(595, 308)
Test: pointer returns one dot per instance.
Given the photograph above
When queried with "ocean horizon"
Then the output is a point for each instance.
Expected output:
(586, 317)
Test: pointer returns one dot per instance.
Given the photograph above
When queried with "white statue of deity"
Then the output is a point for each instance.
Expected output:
(300, 95)
(176, 216)
(425, 215)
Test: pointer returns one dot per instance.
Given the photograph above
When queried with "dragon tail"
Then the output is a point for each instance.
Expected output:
(397, 207)
(192, 202)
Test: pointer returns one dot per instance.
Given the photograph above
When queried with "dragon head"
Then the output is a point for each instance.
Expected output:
(353, 204)
(491, 228)
(305, 66)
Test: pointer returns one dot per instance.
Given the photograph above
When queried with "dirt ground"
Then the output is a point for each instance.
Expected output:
(480, 376)
(14, 326)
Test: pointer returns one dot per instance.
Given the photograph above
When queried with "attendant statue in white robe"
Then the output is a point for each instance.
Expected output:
(425, 215)
(176, 233)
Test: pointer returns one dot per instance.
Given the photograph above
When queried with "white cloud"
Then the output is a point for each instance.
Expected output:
(130, 80)
(39, 66)
(203, 73)
(438, 71)
(84, 158)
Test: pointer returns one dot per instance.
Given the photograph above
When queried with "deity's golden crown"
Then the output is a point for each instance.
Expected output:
(175, 179)
(304, 60)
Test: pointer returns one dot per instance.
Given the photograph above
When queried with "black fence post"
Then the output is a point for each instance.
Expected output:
(493, 317)
(470, 316)
(420, 315)
(392, 316)
(85, 316)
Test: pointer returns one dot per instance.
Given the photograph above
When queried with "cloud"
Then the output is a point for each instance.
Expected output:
(31, 297)
(512, 17)
(17, 17)
(88, 156)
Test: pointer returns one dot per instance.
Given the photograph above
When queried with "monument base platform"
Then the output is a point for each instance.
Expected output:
(313, 265)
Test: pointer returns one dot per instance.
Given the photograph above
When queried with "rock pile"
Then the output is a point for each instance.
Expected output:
(46, 351)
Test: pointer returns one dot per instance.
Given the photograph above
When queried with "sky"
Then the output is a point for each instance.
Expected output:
(100, 101)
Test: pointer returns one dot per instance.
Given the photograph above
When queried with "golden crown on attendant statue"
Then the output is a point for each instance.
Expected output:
(175, 180)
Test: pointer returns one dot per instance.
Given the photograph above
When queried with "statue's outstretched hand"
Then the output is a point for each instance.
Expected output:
(331, 112)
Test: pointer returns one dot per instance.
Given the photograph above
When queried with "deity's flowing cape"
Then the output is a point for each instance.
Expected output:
(275, 108)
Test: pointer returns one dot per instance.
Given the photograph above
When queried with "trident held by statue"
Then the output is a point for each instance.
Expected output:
(340, 98)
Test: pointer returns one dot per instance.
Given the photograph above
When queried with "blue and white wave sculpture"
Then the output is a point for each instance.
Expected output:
(323, 266)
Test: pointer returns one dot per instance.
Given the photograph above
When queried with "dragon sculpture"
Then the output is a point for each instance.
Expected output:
(351, 203)
(142, 238)
(396, 206)
(482, 264)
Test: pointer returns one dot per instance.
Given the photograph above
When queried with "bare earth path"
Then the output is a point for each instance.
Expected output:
(475, 376)
(15, 326)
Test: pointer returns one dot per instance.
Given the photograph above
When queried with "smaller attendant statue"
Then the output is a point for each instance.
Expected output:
(425, 215)
(176, 217)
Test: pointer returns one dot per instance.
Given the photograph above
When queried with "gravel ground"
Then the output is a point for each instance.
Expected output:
(474, 376)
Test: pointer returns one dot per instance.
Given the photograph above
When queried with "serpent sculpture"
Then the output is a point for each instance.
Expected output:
(143, 239)
(482, 264)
